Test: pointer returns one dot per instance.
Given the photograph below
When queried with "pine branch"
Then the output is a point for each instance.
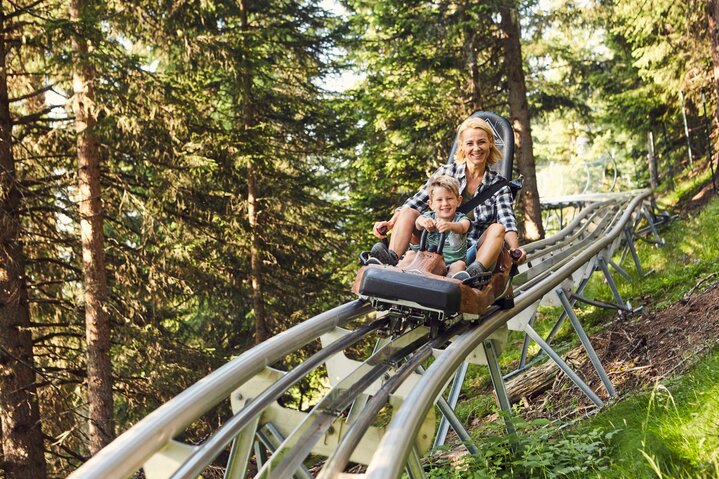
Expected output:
(39, 116)
(40, 339)
(55, 261)
(21, 9)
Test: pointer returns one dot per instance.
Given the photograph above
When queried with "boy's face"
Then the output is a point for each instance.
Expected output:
(444, 203)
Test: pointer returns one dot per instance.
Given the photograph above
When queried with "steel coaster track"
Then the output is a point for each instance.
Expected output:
(554, 259)
(126, 454)
(394, 448)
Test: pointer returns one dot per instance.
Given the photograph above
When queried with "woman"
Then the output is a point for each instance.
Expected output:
(493, 221)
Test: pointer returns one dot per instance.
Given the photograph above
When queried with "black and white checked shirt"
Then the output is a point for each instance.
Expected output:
(496, 209)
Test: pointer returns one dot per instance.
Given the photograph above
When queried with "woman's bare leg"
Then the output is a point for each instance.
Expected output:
(490, 245)
(403, 231)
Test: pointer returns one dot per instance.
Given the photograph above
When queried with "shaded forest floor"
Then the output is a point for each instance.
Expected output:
(637, 352)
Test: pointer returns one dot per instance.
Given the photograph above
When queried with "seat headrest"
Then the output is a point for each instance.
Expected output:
(504, 137)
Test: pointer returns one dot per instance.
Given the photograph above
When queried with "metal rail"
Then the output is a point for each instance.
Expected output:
(126, 454)
(553, 261)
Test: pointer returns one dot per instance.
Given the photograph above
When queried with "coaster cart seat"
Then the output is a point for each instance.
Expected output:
(416, 291)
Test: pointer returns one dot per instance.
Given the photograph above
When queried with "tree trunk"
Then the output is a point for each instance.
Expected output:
(534, 381)
(262, 327)
(470, 46)
(713, 20)
(97, 322)
(532, 228)
(477, 103)
(21, 439)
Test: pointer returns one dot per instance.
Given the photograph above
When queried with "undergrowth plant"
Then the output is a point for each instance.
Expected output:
(534, 450)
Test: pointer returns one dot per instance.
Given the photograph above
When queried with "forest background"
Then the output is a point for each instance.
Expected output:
(181, 180)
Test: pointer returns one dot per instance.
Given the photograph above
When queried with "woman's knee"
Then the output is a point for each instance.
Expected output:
(496, 230)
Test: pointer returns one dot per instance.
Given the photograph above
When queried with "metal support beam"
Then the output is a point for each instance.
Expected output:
(451, 402)
(612, 285)
(650, 219)
(586, 343)
(414, 466)
(632, 249)
(525, 345)
(260, 451)
(361, 400)
(563, 366)
(496, 375)
(271, 437)
(620, 270)
(580, 289)
(453, 420)
(241, 451)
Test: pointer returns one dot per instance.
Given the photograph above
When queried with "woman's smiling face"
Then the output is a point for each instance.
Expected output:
(475, 145)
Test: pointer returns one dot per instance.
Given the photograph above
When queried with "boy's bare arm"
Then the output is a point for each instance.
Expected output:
(425, 223)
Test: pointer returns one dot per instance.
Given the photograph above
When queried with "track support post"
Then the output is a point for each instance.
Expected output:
(271, 438)
(414, 466)
(593, 357)
(612, 285)
(451, 403)
(496, 375)
(525, 345)
(649, 216)
(563, 366)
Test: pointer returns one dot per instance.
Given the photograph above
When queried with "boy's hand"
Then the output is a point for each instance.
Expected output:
(443, 225)
(427, 223)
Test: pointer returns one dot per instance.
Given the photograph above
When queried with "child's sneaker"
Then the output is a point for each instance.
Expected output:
(461, 275)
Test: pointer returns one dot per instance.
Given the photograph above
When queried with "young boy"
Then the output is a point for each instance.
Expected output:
(444, 198)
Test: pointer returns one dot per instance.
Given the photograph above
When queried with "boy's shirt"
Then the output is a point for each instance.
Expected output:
(455, 246)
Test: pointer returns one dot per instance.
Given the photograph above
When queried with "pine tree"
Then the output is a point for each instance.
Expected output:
(22, 438)
(97, 321)
(532, 228)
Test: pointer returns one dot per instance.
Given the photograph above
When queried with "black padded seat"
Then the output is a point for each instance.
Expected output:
(429, 292)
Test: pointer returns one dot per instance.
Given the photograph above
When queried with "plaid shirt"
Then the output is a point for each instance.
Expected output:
(496, 209)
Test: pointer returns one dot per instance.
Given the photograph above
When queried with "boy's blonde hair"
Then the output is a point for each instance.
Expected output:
(494, 154)
(443, 181)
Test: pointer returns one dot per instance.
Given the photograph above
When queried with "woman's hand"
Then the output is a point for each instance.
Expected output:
(518, 255)
(381, 228)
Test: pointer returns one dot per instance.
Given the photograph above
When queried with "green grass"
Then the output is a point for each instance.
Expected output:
(670, 431)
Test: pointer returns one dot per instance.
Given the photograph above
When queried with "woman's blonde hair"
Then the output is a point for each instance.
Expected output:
(494, 154)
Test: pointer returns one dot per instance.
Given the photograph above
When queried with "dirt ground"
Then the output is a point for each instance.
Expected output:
(637, 351)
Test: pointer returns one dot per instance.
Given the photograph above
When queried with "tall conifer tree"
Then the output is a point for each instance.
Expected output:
(22, 438)
(97, 321)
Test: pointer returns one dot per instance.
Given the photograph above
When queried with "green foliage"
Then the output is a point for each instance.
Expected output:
(175, 85)
(533, 451)
(617, 80)
(416, 62)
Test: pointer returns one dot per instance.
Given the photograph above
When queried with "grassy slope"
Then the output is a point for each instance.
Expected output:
(672, 430)
(669, 431)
